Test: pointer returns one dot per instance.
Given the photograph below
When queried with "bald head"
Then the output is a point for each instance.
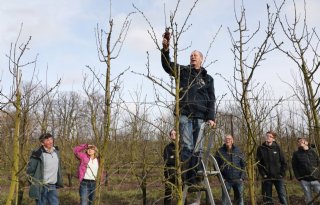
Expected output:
(228, 140)
(196, 59)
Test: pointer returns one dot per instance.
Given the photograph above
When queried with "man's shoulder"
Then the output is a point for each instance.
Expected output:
(276, 146)
(222, 149)
(170, 144)
(260, 146)
(295, 153)
(205, 72)
(185, 67)
(36, 153)
(237, 149)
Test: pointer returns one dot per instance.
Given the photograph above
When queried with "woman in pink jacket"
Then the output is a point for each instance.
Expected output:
(87, 171)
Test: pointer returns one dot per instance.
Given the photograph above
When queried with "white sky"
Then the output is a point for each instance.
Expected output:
(63, 36)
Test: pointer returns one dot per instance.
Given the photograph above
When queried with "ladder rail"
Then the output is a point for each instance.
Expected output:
(224, 188)
(206, 156)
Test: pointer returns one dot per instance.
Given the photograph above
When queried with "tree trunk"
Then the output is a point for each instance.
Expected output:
(144, 190)
(14, 185)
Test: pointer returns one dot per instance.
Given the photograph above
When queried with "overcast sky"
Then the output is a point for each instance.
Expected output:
(63, 36)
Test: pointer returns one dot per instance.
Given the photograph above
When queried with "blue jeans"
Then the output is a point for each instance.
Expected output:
(267, 190)
(49, 195)
(189, 130)
(86, 191)
(237, 186)
(308, 187)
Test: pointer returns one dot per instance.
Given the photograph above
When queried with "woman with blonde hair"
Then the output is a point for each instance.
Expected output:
(87, 171)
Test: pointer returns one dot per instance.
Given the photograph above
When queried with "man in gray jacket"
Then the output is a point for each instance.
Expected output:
(44, 172)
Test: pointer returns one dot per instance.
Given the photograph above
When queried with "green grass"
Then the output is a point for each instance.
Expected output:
(124, 189)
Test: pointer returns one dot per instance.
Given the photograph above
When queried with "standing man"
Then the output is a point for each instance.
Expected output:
(305, 165)
(44, 172)
(169, 169)
(272, 167)
(197, 103)
(232, 165)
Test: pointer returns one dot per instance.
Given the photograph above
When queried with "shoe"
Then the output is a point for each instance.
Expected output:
(198, 199)
(196, 203)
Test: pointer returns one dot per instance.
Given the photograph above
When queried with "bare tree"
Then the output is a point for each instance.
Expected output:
(67, 111)
(174, 32)
(15, 65)
(21, 102)
(108, 50)
(304, 45)
(243, 88)
(141, 133)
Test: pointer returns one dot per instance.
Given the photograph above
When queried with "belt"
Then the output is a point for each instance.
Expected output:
(88, 180)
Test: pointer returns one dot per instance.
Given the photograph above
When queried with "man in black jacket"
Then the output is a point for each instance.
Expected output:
(232, 165)
(197, 104)
(169, 169)
(305, 165)
(272, 167)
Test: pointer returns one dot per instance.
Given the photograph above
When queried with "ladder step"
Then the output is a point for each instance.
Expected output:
(209, 173)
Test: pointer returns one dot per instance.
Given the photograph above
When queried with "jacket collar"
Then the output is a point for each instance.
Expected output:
(37, 153)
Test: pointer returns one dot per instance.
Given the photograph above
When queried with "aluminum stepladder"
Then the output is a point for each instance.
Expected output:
(207, 157)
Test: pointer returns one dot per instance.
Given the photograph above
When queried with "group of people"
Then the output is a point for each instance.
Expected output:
(271, 163)
(197, 105)
(272, 167)
(45, 172)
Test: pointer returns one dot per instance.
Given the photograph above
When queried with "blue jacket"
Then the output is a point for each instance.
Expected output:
(232, 164)
(196, 90)
(35, 172)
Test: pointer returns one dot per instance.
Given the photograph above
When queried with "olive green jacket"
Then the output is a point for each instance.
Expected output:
(35, 172)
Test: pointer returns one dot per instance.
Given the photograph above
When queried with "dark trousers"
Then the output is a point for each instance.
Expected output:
(169, 174)
(267, 190)
(190, 168)
(237, 186)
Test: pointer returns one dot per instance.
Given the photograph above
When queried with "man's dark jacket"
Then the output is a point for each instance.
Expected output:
(231, 163)
(305, 164)
(271, 161)
(196, 89)
(170, 160)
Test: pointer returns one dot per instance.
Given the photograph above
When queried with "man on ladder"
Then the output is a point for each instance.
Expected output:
(197, 101)
(197, 105)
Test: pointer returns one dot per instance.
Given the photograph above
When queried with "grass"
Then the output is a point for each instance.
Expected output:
(124, 189)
